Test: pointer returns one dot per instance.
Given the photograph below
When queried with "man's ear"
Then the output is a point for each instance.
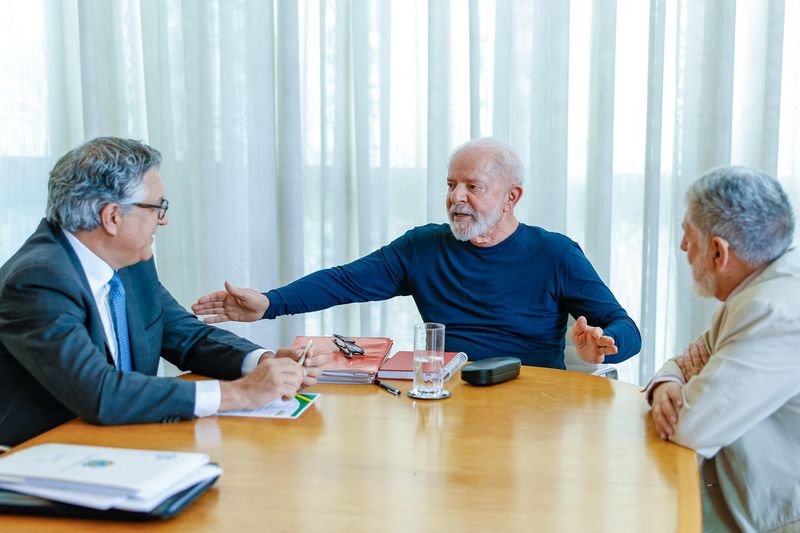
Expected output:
(721, 252)
(110, 217)
(513, 195)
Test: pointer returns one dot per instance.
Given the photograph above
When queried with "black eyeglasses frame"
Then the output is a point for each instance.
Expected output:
(161, 208)
(347, 346)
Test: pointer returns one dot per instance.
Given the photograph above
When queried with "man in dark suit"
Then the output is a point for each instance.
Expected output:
(84, 319)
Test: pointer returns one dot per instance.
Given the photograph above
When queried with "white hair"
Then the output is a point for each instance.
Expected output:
(746, 207)
(102, 171)
(504, 160)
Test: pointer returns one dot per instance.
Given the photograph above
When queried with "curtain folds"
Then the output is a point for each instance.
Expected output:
(298, 135)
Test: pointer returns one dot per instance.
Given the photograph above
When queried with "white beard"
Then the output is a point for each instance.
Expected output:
(705, 285)
(467, 230)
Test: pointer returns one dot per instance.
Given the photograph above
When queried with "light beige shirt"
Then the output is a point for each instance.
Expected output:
(743, 409)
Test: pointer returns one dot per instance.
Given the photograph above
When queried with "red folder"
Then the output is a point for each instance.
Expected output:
(401, 365)
(359, 368)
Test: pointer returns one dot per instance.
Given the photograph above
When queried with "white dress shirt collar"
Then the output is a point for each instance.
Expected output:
(97, 271)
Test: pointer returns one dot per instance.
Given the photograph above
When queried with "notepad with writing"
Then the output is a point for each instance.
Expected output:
(401, 365)
(357, 369)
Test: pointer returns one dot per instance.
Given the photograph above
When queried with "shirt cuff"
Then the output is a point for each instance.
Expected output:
(207, 397)
(251, 360)
(660, 379)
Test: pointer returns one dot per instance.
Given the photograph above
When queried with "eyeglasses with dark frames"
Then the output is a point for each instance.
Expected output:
(162, 207)
(347, 346)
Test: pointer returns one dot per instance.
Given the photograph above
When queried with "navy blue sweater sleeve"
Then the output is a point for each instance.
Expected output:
(584, 293)
(378, 276)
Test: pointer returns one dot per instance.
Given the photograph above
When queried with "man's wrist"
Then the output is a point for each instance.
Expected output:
(252, 359)
(658, 380)
(230, 395)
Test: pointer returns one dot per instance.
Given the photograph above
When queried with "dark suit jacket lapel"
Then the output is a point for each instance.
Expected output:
(97, 333)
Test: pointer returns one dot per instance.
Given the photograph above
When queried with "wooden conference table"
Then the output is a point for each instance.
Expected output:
(549, 451)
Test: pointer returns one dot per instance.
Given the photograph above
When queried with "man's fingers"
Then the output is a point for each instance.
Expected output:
(704, 355)
(204, 308)
(308, 381)
(216, 319)
(663, 419)
(694, 355)
(676, 397)
(313, 372)
(663, 427)
(216, 296)
(578, 329)
(316, 359)
(232, 289)
(209, 310)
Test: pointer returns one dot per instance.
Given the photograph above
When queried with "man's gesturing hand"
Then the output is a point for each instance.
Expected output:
(234, 303)
(590, 343)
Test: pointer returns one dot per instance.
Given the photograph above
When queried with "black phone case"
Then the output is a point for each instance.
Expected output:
(491, 371)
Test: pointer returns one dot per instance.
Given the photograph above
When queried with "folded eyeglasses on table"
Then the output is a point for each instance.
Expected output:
(347, 346)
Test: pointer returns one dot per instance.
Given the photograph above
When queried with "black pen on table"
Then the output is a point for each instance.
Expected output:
(388, 388)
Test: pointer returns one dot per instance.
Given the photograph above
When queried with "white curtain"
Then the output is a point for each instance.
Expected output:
(303, 134)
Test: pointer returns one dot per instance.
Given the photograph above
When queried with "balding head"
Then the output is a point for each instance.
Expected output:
(495, 158)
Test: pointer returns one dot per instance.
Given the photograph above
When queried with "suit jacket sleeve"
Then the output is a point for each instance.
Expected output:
(43, 322)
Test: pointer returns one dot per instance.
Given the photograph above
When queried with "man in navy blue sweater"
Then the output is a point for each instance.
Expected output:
(499, 286)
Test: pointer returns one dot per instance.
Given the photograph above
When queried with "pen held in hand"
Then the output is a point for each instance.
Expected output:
(305, 352)
(387, 388)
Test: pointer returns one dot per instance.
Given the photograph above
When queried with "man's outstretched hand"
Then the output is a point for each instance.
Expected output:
(590, 343)
(238, 304)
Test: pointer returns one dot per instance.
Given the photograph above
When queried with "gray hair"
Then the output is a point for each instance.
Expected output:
(746, 207)
(103, 171)
(505, 161)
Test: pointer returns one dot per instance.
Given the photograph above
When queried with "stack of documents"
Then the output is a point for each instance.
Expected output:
(401, 365)
(104, 478)
(356, 369)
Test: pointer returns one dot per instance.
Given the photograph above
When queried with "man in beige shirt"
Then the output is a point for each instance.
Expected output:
(734, 395)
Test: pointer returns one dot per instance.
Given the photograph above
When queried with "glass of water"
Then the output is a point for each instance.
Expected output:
(428, 362)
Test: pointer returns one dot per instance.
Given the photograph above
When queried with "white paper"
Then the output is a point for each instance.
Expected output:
(100, 501)
(104, 470)
(193, 478)
(93, 500)
(279, 408)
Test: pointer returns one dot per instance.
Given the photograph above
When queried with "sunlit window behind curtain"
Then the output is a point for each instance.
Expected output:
(387, 89)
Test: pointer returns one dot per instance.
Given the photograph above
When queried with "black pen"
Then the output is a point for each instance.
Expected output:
(388, 388)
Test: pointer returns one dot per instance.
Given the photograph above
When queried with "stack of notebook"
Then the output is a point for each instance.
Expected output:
(100, 479)
(401, 365)
(355, 369)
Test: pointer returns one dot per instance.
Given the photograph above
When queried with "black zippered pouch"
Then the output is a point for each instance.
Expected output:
(491, 371)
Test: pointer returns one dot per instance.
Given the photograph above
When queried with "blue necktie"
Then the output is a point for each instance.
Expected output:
(116, 297)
